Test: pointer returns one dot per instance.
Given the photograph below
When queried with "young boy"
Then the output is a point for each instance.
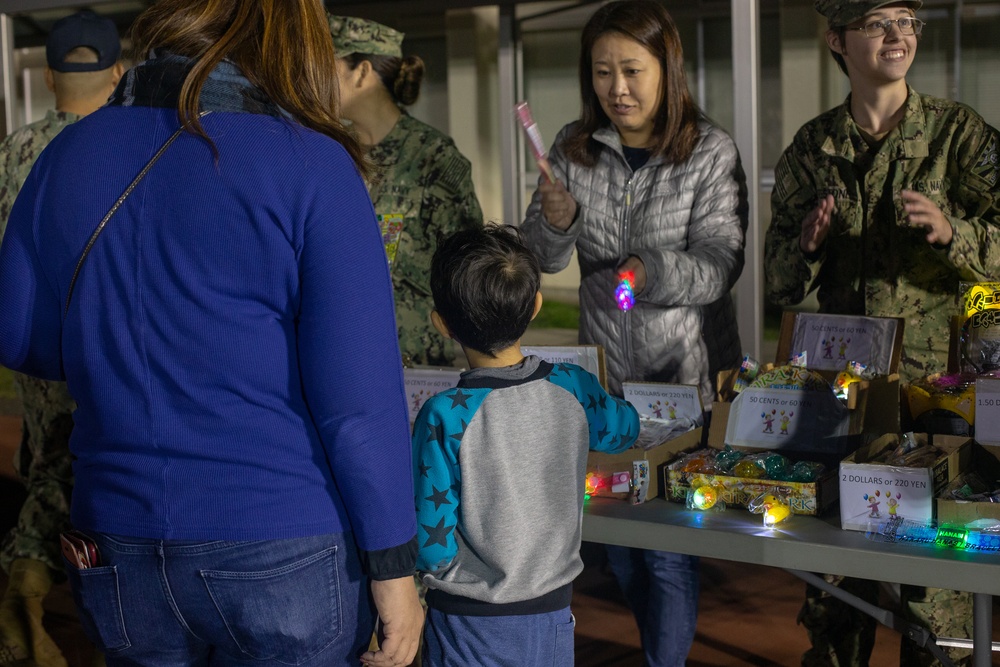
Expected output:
(500, 465)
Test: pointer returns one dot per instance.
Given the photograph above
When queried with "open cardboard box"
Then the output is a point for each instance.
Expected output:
(873, 491)
(608, 464)
(985, 460)
(804, 497)
(820, 426)
(662, 409)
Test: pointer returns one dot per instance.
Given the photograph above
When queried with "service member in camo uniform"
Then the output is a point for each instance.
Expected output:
(418, 172)
(884, 204)
(83, 53)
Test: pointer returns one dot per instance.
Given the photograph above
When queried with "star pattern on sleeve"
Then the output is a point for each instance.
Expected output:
(438, 497)
(437, 437)
(437, 534)
(614, 426)
(458, 398)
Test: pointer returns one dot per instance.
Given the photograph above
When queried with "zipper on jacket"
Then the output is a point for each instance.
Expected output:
(626, 319)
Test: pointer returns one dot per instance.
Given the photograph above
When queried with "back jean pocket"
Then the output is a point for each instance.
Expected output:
(95, 591)
(288, 614)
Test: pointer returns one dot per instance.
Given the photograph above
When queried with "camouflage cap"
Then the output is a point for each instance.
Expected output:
(354, 35)
(844, 12)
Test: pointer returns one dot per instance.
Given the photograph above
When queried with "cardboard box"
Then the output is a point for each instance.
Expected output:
(984, 460)
(815, 422)
(871, 491)
(588, 357)
(809, 498)
(658, 457)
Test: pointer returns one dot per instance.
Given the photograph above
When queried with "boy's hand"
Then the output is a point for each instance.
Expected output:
(816, 226)
(922, 212)
(402, 621)
(558, 205)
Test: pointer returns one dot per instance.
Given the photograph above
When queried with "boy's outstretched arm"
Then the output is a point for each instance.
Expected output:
(614, 422)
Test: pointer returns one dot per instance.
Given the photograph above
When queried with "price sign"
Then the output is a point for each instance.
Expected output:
(988, 411)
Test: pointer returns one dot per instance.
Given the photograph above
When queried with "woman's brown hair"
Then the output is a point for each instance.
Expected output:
(400, 76)
(283, 47)
(675, 128)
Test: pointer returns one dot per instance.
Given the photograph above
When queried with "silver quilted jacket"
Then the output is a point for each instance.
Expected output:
(686, 223)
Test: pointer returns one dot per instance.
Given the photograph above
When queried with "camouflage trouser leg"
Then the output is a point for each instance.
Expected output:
(945, 613)
(841, 635)
(44, 463)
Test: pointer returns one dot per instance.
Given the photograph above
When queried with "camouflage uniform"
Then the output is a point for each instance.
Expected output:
(872, 263)
(43, 459)
(421, 175)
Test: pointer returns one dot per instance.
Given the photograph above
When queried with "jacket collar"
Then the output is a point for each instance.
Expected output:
(906, 140)
(609, 136)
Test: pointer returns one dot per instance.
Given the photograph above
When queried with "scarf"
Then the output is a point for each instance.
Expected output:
(157, 82)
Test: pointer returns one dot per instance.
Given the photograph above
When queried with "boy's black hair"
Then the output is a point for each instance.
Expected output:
(484, 283)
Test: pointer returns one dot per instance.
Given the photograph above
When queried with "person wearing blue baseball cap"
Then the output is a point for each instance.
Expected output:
(82, 52)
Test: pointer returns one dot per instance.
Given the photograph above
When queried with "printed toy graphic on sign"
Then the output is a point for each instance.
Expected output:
(842, 350)
(785, 419)
(672, 410)
(873, 503)
(769, 418)
(892, 503)
(827, 348)
(419, 397)
(657, 409)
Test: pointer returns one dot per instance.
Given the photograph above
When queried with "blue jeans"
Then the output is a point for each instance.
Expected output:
(301, 601)
(532, 640)
(662, 590)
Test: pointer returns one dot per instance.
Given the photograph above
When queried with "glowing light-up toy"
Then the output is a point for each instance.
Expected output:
(625, 292)
(899, 529)
(595, 484)
(705, 498)
(774, 509)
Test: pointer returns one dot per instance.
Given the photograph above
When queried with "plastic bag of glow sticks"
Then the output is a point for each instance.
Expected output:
(534, 137)
(899, 529)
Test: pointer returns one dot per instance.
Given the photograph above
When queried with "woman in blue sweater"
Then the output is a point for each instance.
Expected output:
(241, 442)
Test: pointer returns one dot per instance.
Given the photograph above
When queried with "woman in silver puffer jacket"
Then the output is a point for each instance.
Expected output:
(644, 183)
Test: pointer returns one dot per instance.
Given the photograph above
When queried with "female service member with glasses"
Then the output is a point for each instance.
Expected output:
(884, 204)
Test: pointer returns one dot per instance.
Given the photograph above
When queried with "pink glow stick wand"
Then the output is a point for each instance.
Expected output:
(534, 137)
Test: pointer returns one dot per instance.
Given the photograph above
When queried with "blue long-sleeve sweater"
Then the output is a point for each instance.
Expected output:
(231, 340)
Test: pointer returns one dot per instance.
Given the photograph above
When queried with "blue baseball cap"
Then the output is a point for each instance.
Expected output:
(83, 29)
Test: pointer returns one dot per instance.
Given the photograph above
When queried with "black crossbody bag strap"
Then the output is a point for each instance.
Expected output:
(114, 209)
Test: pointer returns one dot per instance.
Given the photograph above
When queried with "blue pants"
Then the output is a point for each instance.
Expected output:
(299, 601)
(532, 640)
(662, 590)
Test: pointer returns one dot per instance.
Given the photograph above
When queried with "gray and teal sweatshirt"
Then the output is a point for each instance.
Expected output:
(500, 462)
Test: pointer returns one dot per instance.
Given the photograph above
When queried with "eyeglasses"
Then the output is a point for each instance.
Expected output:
(907, 26)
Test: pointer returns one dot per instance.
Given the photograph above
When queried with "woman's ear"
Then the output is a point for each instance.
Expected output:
(538, 304)
(834, 42)
(363, 73)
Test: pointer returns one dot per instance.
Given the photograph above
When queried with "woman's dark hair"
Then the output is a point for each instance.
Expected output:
(400, 76)
(675, 128)
(484, 283)
(282, 46)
